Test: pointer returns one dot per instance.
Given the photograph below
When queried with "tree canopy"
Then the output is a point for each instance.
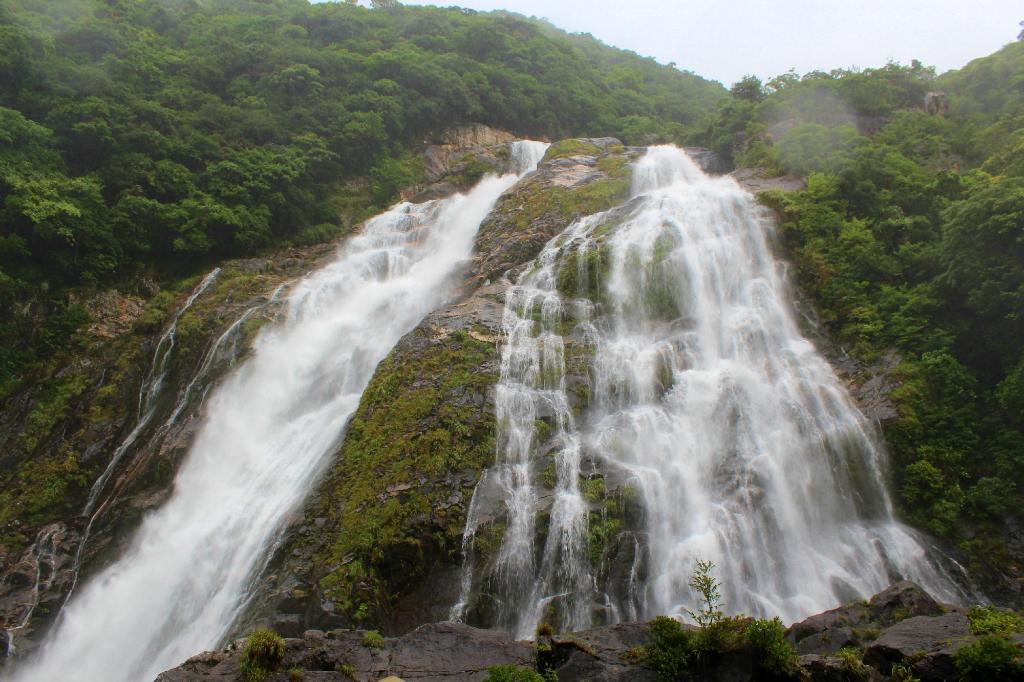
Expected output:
(160, 135)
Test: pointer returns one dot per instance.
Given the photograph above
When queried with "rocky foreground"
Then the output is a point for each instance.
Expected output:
(901, 626)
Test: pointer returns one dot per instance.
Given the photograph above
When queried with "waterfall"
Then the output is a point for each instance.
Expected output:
(658, 405)
(269, 429)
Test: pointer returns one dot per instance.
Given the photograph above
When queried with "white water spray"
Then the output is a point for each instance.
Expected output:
(269, 431)
(722, 428)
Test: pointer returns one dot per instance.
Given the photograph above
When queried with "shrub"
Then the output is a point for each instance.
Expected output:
(512, 673)
(263, 653)
(991, 658)
(902, 673)
(373, 639)
(775, 655)
(853, 664)
(988, 620)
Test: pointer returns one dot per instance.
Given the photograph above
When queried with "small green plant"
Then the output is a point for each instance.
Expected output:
(262, 655)
(545, 630)
(988, 620)
(775, 655)
(373, 639)
(295, 675)
(709, 588)
(348, 670)
(903, 673)
(853, 663)
(512, 673)
(991, 658)
(361, 611)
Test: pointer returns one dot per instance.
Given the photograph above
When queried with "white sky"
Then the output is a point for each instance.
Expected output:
(726, 39)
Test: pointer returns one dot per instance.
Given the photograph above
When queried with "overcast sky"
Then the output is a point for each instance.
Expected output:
(727, 39)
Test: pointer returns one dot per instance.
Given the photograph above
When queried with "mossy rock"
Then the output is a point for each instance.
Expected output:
(395, 499)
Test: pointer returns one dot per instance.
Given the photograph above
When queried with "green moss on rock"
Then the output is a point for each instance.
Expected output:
(571, 147)
(395, 507)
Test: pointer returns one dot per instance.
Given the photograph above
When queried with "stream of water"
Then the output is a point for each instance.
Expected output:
(652, 362)
(268, 431)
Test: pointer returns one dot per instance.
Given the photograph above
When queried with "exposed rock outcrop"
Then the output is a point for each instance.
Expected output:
(754, 181)
(901, 626)
(460, 156)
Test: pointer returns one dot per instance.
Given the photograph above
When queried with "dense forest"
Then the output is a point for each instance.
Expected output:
(156, 136)
(910, 236)
(149, 138)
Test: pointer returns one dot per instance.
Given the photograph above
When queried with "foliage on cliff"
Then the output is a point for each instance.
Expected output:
(910, 235)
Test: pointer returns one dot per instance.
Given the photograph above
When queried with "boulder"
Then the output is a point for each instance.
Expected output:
(600, 654)
(902, 600)
(448, 652)
(927, 641)
(832, 669)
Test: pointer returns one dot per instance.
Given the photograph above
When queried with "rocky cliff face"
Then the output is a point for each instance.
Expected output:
(379, 542)
(92, 443)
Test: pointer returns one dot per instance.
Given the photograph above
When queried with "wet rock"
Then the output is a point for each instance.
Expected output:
(113, 313)
(929, 641)
(440, 651)
(455, 146)
(601, 654)
(831, 669)
(708, 160)
(754, 181)
(860, 622)
(903, 600)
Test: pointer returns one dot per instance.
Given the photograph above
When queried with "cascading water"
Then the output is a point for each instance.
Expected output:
(268, 431)
(658, 405)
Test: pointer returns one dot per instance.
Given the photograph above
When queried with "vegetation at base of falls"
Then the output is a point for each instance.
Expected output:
(852, 662)
(990, 620)
(908, 237)
(995, 656)
(373, 639)
(513, 673)
(991, 658)
(262, 655)
(422, 422)
(677, 653)
(153, 137)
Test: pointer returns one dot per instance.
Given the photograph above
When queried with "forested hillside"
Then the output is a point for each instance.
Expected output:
(910, 236)
(155, 136)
